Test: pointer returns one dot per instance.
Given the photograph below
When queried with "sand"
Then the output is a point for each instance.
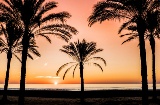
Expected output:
(66, 98)
(76, 101)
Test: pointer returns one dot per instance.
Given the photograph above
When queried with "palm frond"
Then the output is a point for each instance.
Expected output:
(126, 24)
(48, 6)
(4, 17)
(154, 4)
(75, 69)
(17, 4)
(58, 35)
(67, 71)
(56, 16)
(5, 33)
(30, 56)
(59, 30)
(34, 51)
(130, 38)
(71, 54)
(17, 57)
(97, 58)
(102, 16)
(63, 66)
(38, 5)
(9, 3)
(132, 28)
(98, 65)
(46, 37)
(5, 49)
(93, 52)
(128, 34)
(5, 8)
(62, 28)
(2, 42)
(72, 50)
(96, 51)
(42, 10)
(107, 10)
(63, 31)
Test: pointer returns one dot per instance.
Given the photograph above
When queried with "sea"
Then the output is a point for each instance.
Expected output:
(76, 87)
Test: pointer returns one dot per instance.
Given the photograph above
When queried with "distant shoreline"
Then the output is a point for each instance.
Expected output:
(76, 87)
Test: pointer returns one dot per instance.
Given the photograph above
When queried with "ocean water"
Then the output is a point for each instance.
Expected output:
(76, 87)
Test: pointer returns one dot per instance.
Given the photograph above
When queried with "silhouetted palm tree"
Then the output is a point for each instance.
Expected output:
(135, 11)
(153, 27)
(12, 46)
(152, 32)
(12, 36)
(81, 52)
(32, 14)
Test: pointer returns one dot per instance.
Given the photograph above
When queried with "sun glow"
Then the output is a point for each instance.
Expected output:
(55, 83)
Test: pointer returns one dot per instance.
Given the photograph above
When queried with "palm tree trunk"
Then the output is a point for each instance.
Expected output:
(82, 82)
(141, 30)
(9, 57)
(25, 43)
(152, 44)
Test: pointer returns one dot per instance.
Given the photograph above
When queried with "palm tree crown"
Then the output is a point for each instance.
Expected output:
(152, 27)
(81, 52)
(122, 9)
(13, 42)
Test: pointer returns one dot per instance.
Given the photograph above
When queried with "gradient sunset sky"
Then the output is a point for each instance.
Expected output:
(123, 61)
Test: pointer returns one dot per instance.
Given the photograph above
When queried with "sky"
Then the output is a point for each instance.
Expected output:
(123, 61)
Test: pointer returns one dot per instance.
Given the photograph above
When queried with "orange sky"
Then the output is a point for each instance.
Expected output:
(123, 62)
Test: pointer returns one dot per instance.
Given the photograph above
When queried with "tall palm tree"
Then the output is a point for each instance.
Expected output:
(152, 32)
(135, 11)
(12, 36)
(12, 46)
(81, 52)
(32, 14)
(153, 27)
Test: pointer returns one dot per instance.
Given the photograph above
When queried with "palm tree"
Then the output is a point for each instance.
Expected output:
(135, 11)
(153, 27)
(12, 36)
(32, 14)
(81, 52)
(12, 46)
(152, 32)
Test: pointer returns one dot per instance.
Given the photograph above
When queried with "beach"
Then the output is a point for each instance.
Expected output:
(109, 97)
(76, 101)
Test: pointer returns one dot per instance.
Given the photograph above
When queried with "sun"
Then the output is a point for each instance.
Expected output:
(55, 83)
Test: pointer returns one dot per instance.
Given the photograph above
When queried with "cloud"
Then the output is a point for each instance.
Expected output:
(56, 77)
(47, 77)
(39, 77)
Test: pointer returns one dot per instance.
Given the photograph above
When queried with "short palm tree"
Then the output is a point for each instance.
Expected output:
(32, 15)
(135, 11)
(81, 52)
(11, 46)
(152, 32)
